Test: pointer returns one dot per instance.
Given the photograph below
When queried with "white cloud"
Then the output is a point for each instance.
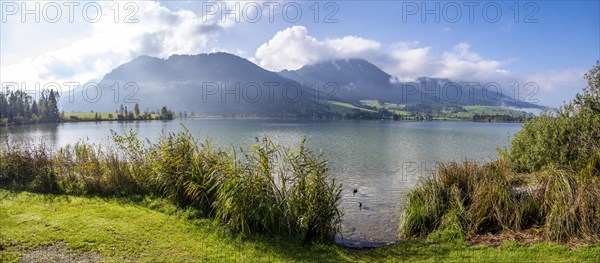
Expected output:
(463, 64)
(350, 45)
(160, 32)
(555, 86)
(293, 48)
(408, 61)
(552, 80)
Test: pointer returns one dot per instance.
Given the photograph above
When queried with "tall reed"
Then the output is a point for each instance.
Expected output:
(270, 189)
(558, 203)
(279, 190)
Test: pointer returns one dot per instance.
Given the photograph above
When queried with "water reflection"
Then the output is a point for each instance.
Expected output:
(20, 135)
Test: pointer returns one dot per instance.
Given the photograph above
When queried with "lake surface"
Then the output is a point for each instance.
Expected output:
(382, 159)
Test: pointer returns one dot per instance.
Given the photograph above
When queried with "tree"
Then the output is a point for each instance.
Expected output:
(17, 107)
(52, 109)
(590, 99)
(34, 109)
(166, 114)
(136, 110)
(3, 106)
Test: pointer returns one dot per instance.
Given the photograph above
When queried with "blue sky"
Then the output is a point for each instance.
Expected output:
(558, 44)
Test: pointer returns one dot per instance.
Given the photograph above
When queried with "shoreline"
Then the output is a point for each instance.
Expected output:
(256, 118)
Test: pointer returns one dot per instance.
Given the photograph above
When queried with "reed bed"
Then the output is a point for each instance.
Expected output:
(555, 204)
(268, 189)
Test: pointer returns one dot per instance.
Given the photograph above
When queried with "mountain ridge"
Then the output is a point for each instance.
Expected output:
(225, 84)
(376, 84)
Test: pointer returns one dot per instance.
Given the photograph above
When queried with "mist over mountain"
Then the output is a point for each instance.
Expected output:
(213, 84)
(357, 79)
(225, 84)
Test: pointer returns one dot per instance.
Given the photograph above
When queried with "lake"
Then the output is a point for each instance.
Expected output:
(382, 159)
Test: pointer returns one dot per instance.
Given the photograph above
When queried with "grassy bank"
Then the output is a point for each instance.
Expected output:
(369, 109)
(62, 227)
(263, 188)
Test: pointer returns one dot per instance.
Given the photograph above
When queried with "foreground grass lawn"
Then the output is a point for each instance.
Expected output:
(37, 227)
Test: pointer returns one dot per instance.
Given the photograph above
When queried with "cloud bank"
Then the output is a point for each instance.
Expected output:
(159, 32)
(294, 47)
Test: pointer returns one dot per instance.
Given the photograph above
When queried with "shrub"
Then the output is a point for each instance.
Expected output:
(28, 169)
(567, 137)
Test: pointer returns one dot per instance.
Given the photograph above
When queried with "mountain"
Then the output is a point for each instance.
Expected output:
(225, 84)
(214, 84)
(357, 79)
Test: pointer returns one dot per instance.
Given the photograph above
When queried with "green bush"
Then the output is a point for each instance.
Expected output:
(27, 168)
(568, 137)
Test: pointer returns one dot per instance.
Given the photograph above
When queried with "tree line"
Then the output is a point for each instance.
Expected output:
(17, 107)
